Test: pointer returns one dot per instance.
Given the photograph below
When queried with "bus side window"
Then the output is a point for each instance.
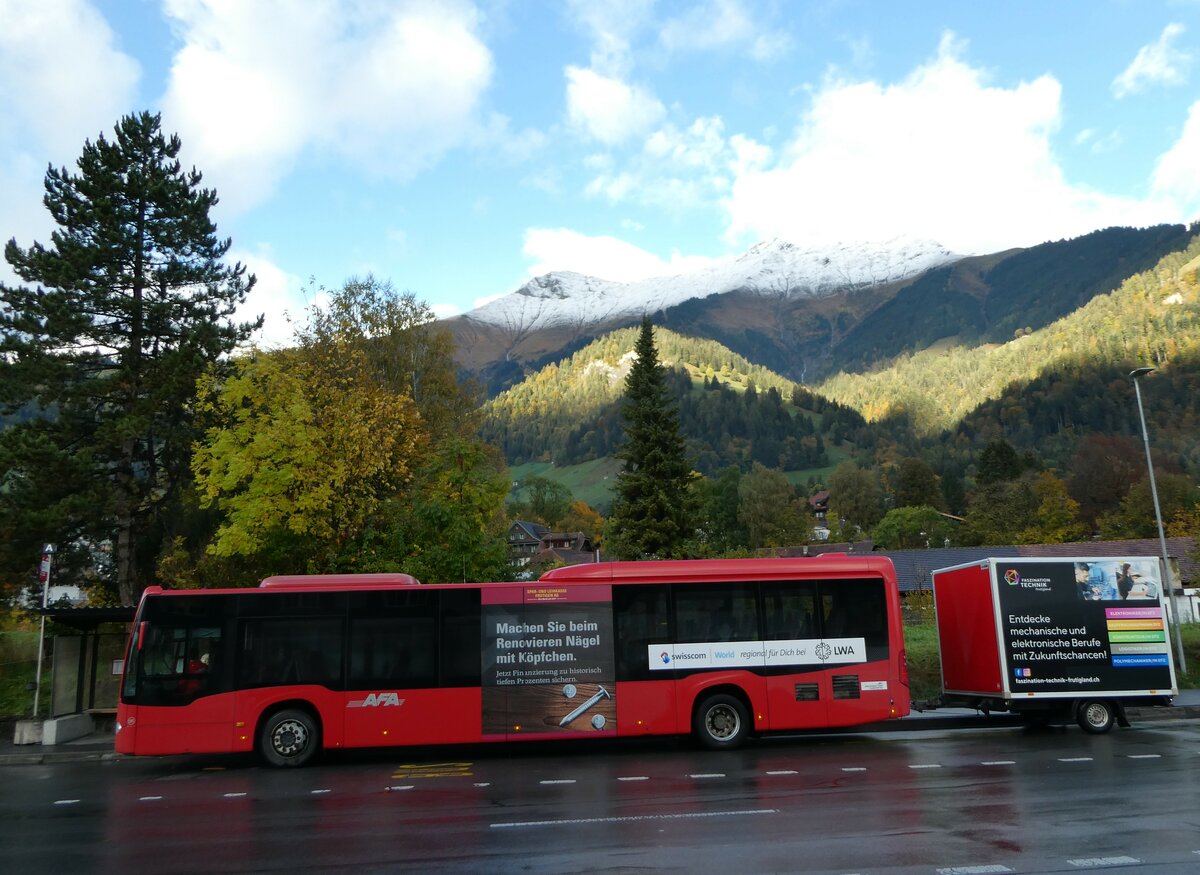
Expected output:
(642, 617)
(789, 610)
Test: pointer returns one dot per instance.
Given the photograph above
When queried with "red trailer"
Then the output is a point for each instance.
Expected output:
(1054, 639)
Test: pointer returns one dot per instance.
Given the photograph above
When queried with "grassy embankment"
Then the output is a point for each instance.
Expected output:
(18, 667)
(924, 668)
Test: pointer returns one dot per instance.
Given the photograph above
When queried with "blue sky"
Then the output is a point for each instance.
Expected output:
(458, 148)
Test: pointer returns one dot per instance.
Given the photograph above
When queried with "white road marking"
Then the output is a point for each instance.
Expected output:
(635, 778)
(234, 795)
(632, 818)
(1145, 756)
(784, 772)
(1097, 862)
(401, 787)
(149, 799)
(559, 781)
(998, 763)
(319, 792)
(484, 784)
(1074, 759)
(712, 775)
(66, 801)
(853, 769)
(926, 766)
(995, 869)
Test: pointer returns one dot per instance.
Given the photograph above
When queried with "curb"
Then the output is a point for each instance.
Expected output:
(52, 757)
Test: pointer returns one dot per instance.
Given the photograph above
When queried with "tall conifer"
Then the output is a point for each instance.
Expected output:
(131, 302)
(651, 516)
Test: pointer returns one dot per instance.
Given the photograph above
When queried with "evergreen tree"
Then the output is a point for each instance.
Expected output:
(916, 484)
(131, 303)
(998, 462)
(651, 515)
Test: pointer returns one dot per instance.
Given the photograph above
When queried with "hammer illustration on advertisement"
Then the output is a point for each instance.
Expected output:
(602, 693)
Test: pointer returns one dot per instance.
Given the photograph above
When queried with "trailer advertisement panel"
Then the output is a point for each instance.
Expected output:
(1083, 626)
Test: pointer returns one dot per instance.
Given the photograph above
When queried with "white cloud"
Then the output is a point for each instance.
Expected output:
(445, 311)
(678, 168)
(600, 256)
(1158, 63)
(612, 26)
(62, 81)
(277, 296)
(390, 86)
(722, 24)
(1177, 175)
(608, 109)
(941, 154)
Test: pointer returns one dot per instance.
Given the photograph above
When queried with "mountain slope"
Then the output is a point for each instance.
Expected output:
(806, 322)
(1152, 318)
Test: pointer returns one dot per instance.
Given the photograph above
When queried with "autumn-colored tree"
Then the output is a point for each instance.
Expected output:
(856, 496)
(917, 484)
(1056, 519)
(999, 512)
(767, 508)
(309, 444)
(320, 459)
(582, 518)
(1135, 517)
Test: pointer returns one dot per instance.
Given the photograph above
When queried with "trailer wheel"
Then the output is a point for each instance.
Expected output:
(1096, 716)
(721, 722)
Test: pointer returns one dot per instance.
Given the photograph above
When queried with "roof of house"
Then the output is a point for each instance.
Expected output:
(533, 531)
(914, 566)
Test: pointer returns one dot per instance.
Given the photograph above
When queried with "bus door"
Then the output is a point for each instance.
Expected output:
(644, 623)
(798, 691)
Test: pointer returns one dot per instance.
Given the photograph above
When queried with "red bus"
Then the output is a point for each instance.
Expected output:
(718, 648)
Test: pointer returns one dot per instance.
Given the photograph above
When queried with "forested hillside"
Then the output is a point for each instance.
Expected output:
(1042, 391)
(1152, 318)
(993, 298)
(732, 412)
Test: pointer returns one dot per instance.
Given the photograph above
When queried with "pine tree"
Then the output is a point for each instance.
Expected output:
(131, 303)
(651, 515)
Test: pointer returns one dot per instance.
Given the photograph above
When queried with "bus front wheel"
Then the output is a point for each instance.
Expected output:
(1096, 716)
(721, 722)
(289, 738)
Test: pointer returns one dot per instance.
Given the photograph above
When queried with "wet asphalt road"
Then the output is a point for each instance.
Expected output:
(987, 801)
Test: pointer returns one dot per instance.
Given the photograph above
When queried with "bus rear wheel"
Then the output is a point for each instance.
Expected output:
(289, 738)
(721, 722)
(1096, 716)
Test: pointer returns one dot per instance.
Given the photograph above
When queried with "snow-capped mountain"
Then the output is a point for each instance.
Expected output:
(775, 268)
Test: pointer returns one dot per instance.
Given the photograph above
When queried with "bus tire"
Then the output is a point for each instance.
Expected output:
(1096, 716)
(289, 738)
(721, 722)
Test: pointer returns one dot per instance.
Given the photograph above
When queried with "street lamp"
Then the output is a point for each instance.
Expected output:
(44, 578)
(1162, 538)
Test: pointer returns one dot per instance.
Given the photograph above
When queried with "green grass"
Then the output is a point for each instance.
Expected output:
(591, 482)
(925, 673)
(18, 667)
